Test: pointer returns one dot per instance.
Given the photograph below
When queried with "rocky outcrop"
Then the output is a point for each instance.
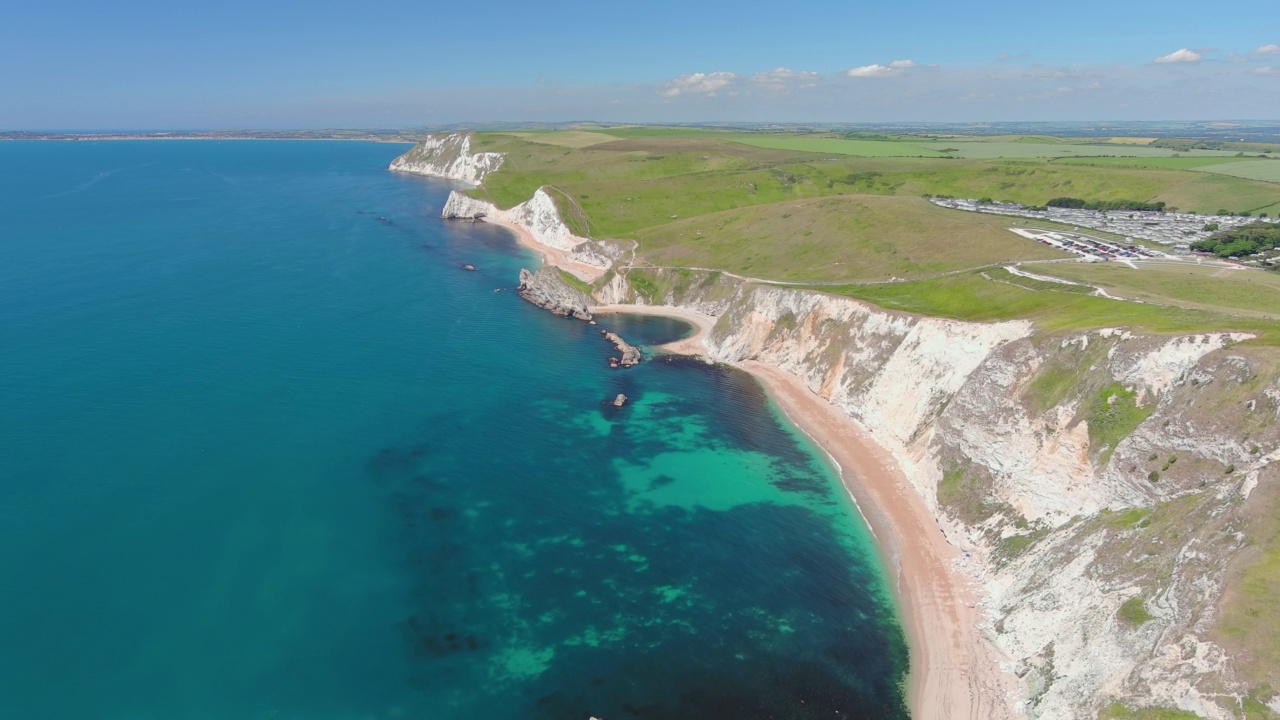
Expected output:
(547, 289)
(629, 354)
(448, 157)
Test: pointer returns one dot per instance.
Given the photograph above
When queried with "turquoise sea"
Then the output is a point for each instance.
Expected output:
(266, 451)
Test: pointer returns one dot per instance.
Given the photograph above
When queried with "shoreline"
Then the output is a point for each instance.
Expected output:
(695, 344)
(954, 674)
(550, 255)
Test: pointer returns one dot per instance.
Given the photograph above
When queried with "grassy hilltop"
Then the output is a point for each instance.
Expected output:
(845, 213)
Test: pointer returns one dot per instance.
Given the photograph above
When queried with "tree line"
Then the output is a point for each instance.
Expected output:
(1105, 205)
(1241, 241)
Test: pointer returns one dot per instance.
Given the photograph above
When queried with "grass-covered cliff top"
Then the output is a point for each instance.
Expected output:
(845, 213)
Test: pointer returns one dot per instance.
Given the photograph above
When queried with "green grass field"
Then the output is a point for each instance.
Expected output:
(706, 198)
(972, 149)
(979, 296)
(1156, 163)
(840, 146)
(992, 150)
(566, 138)
(631, 184)
(1247, 293)
(839, 238)
(1266, 170)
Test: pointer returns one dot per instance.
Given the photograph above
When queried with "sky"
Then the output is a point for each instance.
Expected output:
(141, 65)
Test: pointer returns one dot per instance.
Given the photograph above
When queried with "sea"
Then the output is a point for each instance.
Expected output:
(268, 451)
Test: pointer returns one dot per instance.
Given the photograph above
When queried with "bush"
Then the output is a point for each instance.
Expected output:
(1244, 240)
(1134, 613)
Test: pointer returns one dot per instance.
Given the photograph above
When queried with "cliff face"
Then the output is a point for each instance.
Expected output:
(539, 217)
(1096, 479)
(547, 289)
(449, 157)
(1047, 457)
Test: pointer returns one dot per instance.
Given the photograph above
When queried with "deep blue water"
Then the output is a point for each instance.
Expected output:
(267, 452)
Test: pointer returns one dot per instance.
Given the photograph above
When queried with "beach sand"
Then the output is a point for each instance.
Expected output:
(955, 674)
(550, 256)
(693, 345)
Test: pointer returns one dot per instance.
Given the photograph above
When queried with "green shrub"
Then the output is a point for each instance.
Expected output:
(1134, 613)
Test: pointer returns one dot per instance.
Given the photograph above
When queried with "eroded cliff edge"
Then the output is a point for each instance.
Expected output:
(1098, 480)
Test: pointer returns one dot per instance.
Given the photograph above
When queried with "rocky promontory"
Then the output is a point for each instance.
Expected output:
(450, 157)
(630, 353)
(547, 289)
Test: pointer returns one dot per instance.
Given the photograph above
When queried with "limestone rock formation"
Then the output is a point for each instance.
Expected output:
(630, 353)
(449, 157)
(547, 289)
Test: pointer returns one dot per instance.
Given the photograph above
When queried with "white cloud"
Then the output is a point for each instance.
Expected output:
(893, 69)
(704, 83)
(780, 79)
(1267, 71)
(1180, 56)
(874, 71)
(1268, 50)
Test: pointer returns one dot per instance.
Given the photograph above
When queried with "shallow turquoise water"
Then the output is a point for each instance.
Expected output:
(267, 452)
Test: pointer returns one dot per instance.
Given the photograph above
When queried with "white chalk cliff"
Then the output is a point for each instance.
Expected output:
(1014, 472)
(540, 218)
(1056, 561)
(448, 157)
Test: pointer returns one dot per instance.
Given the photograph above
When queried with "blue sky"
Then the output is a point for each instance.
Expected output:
(150, 65)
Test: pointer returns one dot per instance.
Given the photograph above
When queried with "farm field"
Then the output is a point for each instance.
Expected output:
(865, 238)
(848, 224)
(1159, 163)
(987, 149)
(840, 146)
(983, 296)
(1266, 170)
(1243, 292)
(626, 185)
(565, 138)
(993, 150)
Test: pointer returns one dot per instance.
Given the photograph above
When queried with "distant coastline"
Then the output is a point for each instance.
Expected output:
(360, 135)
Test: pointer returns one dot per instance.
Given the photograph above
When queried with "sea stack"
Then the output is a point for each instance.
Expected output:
(630, 353)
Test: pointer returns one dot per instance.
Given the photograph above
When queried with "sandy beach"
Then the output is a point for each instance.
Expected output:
(955, 674)
(693, 345)
(550, 256)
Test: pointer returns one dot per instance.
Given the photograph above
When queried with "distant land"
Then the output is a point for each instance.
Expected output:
(1221, 131)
